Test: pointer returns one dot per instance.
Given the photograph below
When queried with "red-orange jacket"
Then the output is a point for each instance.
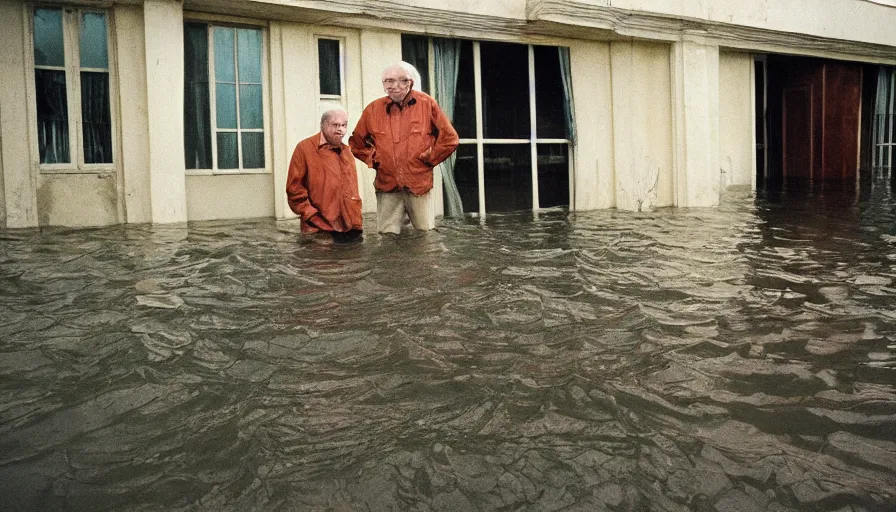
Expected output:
(403, 142)
(322, 186)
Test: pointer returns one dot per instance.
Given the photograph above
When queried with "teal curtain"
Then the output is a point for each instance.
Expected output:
(446, 56)
(568, 103)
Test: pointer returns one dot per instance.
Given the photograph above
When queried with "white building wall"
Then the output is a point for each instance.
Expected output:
(230, 196)
(164, 43)
(19, 164)
(133, 155)
(642, 125)
(736, 119)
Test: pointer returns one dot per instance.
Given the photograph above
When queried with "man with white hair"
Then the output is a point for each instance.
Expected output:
(403, 136)
(322, 184)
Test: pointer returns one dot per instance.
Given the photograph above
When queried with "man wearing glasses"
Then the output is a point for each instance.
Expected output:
(403, 136)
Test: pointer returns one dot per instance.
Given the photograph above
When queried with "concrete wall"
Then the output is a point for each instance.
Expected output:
(736, 119)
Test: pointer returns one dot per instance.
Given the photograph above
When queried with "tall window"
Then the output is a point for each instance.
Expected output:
(71, 83)
(224, 98)
(884, 127)
(511, 109)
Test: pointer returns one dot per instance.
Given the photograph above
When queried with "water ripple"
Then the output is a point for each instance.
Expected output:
(739, 358)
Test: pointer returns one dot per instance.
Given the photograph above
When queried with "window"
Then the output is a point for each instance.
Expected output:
(510, 107)
(71, 89)
(329, 58)
(884, 125)
(224, 104)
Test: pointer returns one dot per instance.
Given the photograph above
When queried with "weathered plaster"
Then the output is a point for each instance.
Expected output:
(234, 196)
(736, 134)
(595, 174)
(133, 158)
(19, 163)
(642, 119)
(77, 199)
(695, 110)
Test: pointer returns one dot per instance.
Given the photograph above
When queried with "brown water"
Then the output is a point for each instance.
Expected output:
(739, 358)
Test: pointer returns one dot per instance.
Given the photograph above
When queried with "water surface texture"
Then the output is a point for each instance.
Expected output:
(740, 358)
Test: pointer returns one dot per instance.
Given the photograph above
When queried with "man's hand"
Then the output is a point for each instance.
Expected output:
(425, 155)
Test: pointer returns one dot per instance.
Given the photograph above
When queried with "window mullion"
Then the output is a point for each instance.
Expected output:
(70, 30)
(213, 96)
(480, 151)
(236, 94)
(533, 133)
(891, 111)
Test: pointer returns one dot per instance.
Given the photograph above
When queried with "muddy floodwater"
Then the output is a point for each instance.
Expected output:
(740, 358)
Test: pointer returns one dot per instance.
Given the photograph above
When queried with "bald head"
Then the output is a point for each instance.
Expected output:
(334, 125)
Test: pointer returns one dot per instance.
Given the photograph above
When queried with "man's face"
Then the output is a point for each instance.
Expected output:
(396, 83)
(334, 128)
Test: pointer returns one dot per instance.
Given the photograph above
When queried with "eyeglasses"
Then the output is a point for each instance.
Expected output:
(389, 82)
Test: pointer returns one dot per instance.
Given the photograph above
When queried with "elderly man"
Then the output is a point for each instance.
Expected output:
(322, 185)
(403, 136)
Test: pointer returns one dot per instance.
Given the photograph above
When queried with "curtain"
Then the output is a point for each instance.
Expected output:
(883, 117)
(96, 120)
(197, 107)
(52, 116)
(568, 104)
(446, 54)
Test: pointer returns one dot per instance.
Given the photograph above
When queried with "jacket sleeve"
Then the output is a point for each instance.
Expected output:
(361, 142)
(296, 185)
(447, 140)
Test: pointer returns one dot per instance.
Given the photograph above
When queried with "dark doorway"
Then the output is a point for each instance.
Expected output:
(813, 123)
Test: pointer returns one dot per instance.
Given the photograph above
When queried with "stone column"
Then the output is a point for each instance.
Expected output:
(695, 108)
(164, 38)
(20, 159)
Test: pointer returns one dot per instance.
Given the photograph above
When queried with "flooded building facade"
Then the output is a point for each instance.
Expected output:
(169, 111)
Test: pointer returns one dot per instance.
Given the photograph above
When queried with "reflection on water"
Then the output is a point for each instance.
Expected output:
(739, 358)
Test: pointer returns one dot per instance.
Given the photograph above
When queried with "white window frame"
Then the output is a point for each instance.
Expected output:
(480, 140)
(212, 100)
(71, 31)
(338, 98)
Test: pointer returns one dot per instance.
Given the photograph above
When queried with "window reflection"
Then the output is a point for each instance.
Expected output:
(466, 177)
(553, 175)
(505, 90)
(508, 177)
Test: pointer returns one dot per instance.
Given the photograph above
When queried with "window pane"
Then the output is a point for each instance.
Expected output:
(52, 116)
(328, 66)
(549, 109)
(253, 150)
(48, 46)
(415, 50)
(508, 177)
(465, 96)
(197, 109)
(94, 47)
(96, 120)
(505, 90)
(227, 151)
(224, 55)
(249, 56)
(250, 106)
(553, 175)
(225, 107)
(466, 177)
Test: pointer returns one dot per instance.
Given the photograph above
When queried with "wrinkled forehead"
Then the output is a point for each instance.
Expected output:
(337, 118)
(395, 73)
